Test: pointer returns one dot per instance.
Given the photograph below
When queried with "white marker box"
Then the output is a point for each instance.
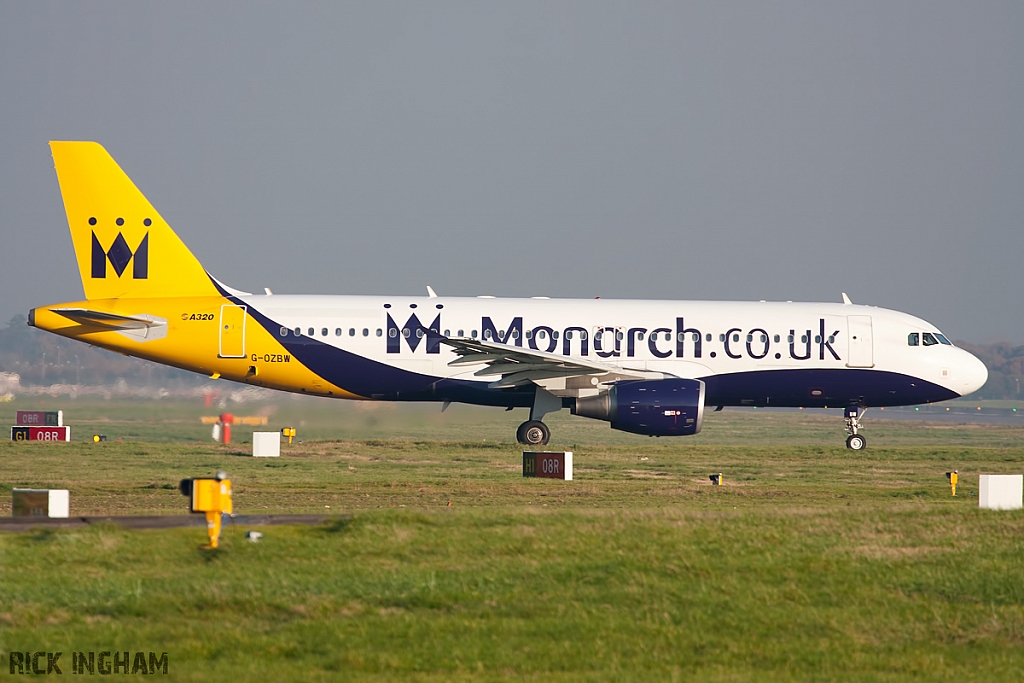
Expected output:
(1001, 491)
(266, 444)
(40, 503)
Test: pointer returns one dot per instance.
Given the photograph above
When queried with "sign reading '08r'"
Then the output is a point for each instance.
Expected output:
(548, 464)
(40, 434)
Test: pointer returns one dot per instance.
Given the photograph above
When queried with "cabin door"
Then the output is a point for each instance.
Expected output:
(232, 331)
(862, 354)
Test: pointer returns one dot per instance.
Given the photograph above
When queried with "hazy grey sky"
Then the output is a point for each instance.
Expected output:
(712, 150)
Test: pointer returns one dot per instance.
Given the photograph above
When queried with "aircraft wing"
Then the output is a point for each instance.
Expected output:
(111, 321)
(518, 366)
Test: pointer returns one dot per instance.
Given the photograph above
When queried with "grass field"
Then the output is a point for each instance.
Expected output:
(811, 563)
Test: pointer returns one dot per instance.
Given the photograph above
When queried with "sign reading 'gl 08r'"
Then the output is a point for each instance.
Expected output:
(40, 433)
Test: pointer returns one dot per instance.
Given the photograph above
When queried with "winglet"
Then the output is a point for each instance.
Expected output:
(431, 293)
(846, 299)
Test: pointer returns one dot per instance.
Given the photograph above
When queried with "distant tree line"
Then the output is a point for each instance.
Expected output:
(41, 358)
(1005, 363)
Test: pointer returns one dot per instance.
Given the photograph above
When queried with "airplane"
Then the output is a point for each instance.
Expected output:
(646, 367)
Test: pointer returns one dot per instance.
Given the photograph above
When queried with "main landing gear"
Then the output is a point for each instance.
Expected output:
(533, 433)
(855, 442)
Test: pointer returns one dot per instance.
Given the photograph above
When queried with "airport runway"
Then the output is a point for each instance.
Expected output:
(928, 413)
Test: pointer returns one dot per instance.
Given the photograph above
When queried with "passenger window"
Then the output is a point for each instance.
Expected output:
(777, 339)
(366, 332)
(735, 338)
(707, 337)
(640, 336)
(487, 334)
(927, 339)
(696, 337)
(554, 335)
(721, 337)
(542, 334)
(351, 331)
(942, 339)
(668, 336)
(913, 339)
(473, 334)
(419, 333)
(323, 332)
(298, 331)
(597, 336)
(462, 333)
(790, 339)
(568, 334)
(284, 331)
(447, 333)
(337, 332)
(583, 334)
(380, 332)
(312, 332)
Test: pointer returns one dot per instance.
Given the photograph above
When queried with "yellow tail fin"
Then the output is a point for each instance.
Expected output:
(124, 248)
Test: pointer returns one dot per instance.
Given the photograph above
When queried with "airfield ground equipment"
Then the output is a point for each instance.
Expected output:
(954, 478)
(212, 497)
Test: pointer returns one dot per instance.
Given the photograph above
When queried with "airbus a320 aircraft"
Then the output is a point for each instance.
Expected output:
(647, 367)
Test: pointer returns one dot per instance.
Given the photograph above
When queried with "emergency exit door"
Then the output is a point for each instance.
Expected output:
(861, 346)
(232, 331)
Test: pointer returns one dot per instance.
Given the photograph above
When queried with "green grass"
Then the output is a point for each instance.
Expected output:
(811, 563)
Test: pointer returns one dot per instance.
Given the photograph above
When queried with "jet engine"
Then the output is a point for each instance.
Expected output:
(663, 407)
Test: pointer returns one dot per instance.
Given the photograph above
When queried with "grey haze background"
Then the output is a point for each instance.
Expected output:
(745, 150)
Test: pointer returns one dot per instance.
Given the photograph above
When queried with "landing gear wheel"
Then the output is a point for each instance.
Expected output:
(533, 433)
(856, 442)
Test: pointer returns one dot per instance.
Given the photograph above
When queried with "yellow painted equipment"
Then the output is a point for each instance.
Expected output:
(212, 497)
(953, 478)
(716, 479)
(289, 432)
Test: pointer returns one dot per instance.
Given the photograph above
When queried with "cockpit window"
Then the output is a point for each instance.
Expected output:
(942, 339)
(928, 339)
(913, 339)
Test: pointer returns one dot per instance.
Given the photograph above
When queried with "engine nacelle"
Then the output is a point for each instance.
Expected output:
(661, 407)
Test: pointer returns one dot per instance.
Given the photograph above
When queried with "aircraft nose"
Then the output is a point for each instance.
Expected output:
(972, 374)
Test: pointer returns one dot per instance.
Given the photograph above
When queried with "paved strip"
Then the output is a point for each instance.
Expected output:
(156, 521)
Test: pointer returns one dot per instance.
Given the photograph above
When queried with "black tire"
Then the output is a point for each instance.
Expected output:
(533, 433)
(856, 442)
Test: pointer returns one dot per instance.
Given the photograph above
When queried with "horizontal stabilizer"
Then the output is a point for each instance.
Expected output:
(111, 321)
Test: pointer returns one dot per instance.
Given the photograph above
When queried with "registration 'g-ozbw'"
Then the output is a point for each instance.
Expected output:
(647, 367)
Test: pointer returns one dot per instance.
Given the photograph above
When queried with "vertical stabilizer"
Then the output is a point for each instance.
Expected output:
(124, 248)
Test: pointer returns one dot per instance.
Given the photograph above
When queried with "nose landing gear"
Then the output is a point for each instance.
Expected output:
(855, 442)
